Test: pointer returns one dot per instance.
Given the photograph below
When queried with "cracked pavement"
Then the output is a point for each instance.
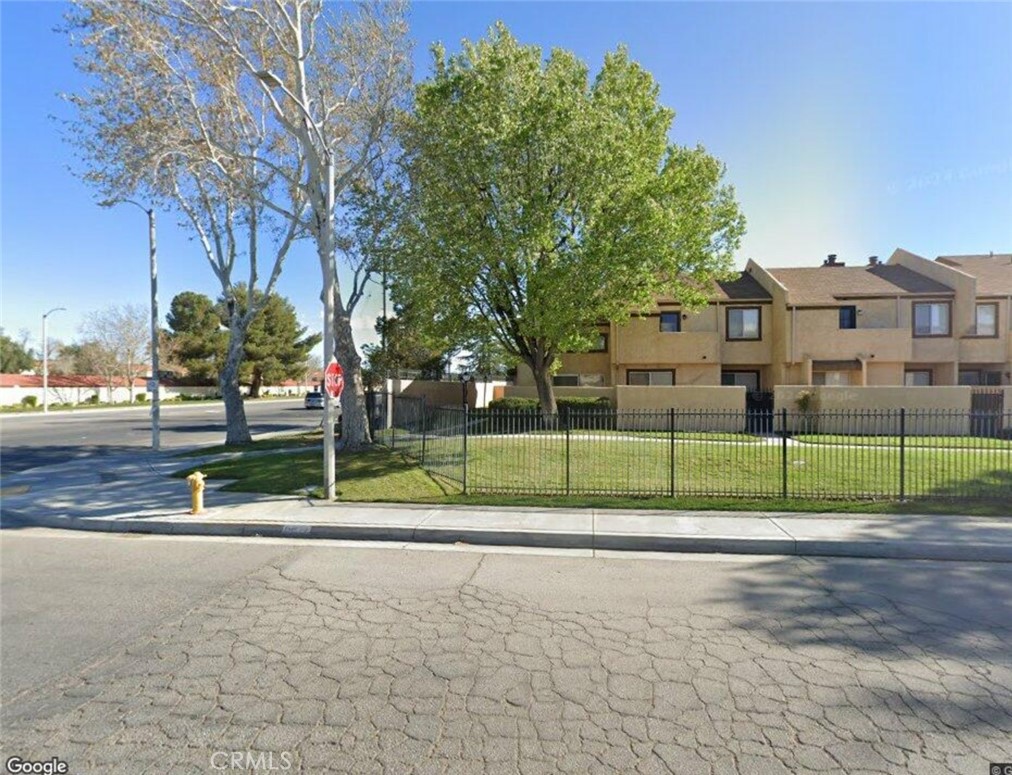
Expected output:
(382, 660)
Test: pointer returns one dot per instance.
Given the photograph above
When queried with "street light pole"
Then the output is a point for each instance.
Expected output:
(45, 358)
(153, 386)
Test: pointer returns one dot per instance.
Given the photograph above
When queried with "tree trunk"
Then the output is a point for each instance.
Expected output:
(256, 382)
(541, 369)
(354, 415)
(236, 427)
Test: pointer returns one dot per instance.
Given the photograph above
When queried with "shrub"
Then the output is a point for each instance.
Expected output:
(805, 400)
(29, 402)
(142, 397)
(92, 399)
(513, 404)
(583, 402)
(587, 413)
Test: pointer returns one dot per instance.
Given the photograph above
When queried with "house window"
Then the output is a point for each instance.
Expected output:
(743, 323)
(987, 320)
(600, 343)
(665, 378)
(917, 378)
(671, 322)
(979, 377)
(746, 379)
(578, 380)
(837, 378)
(932, 318)
(848, 317)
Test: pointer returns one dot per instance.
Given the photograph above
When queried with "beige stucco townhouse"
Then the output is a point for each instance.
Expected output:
(906, 321)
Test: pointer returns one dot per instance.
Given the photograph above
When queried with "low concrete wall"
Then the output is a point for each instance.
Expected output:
(529, 391)
(930, 410)
(11, 396)
(438, 393)
(696, 408)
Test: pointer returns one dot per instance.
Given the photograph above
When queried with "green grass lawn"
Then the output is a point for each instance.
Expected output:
(290, 441)
(621, 474)
(373, 475)
(936, 442)
(619, 466)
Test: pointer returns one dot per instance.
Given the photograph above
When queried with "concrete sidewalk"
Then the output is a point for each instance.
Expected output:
(135, 494)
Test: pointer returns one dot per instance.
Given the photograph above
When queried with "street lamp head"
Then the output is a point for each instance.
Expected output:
(54, 309)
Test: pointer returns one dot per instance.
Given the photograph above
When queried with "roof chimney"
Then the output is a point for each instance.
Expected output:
(873, 261)
(831, 261)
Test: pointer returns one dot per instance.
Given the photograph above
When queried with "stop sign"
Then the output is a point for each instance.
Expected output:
(333, 379)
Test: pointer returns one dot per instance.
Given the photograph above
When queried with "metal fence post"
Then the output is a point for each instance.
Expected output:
(464, 477)
(566, 423)
(393, 422)
(783, 452)
(425, 414)
(903, 453)
(671, 451)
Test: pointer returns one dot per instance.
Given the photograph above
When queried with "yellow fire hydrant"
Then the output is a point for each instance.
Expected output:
(196, 481)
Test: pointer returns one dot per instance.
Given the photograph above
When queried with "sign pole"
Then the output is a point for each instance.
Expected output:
(333, 383)
(329, 468)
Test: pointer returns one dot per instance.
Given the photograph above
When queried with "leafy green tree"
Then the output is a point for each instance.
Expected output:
(404, 346)
(14, 356)
(276, 346)
(539, 201)
(198, 339)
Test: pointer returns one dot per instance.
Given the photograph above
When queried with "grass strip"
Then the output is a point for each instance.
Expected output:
(293, 441)
(370, 475)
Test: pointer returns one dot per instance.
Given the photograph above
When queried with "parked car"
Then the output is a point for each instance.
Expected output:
(314, 400)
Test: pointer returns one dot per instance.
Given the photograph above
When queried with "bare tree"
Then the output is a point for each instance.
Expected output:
(157, 124)
(330, 79)
(121, 344)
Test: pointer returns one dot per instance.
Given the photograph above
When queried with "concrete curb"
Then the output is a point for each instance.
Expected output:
(868, 549)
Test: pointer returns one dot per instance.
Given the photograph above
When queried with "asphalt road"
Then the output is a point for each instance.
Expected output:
(149, 654)
(29, 441)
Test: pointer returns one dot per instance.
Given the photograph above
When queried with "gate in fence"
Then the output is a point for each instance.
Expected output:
(759, 411)
(986, 409)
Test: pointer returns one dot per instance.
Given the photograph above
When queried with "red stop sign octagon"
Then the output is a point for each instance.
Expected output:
(333, 379)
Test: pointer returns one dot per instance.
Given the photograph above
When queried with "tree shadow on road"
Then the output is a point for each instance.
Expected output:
(956, 609)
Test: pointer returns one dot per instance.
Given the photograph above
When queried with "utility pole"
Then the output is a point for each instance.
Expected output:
(153, 386)
(45, 358)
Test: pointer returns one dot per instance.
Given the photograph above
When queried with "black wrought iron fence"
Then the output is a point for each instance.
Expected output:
(886, 454)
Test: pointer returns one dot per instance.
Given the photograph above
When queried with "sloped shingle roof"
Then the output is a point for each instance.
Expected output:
(827, 285)
(742, 288)
(993, 273)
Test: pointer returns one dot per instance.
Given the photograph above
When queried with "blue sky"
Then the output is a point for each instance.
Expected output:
(845, 128)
